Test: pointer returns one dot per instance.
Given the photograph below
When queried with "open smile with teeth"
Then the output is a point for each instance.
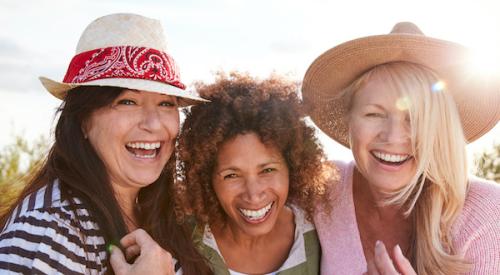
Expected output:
(256, 214)
(144, 150)
(392, 159)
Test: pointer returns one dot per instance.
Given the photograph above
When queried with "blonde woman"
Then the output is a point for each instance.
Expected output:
(404, 104)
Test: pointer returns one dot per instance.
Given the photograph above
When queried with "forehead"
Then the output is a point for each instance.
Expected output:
(378, 89)
(147, 93)
(246, 149)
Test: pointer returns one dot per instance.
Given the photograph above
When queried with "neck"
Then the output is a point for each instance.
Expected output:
(127, 201)
(374, 200)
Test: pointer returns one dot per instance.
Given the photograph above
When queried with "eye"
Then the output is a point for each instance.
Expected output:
(168, 104)
(230, 176)
(126, 102)
(374, 115)
(268, 170)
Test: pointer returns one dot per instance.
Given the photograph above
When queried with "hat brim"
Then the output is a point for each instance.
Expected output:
(186, 97)
(477, 98)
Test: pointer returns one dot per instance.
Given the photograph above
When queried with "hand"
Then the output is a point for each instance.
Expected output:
(151, 258)
(383, 265)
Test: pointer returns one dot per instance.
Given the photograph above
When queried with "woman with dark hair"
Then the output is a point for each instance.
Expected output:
(252, 173)
(110, 170)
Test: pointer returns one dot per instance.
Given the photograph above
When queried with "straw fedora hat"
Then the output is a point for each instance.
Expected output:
(123, 50)
(477, 97)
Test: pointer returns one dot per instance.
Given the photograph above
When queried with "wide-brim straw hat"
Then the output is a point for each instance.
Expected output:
(123, 50)
(477, 97)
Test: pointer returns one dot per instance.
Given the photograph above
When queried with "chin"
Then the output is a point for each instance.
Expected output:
(146, 181)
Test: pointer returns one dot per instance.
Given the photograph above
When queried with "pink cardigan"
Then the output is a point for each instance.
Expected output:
(476, 233)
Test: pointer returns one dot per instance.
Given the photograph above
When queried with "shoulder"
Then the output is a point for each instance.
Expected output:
(487, 191)
(343, 176)
(482, 202)
(302, 225)
(304, 255)
(339, 192)
(46, 207)
(476, 233)
(44, 234)
(205, 243)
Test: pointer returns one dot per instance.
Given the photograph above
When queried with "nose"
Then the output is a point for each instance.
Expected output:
(396, 130)
(150, 119)
(254, 189)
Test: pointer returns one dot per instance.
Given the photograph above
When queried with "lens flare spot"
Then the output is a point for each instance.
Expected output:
(403, 103)
(438, 86)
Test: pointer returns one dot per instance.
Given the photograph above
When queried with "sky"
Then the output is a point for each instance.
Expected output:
(39, 37)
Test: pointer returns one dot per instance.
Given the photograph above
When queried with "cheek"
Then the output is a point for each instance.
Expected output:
(355, 137)
(223, 193)
(282, 187)
(171, 123)
(102, 129)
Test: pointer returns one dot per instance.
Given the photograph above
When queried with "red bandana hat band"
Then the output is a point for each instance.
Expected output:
(123, 62)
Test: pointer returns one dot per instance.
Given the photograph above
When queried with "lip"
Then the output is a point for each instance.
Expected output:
(261, 220)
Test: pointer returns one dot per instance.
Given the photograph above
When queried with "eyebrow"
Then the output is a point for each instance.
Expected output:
(270, 162)
(132, 90)
(162, 95)
(233, 168)
(376, 105)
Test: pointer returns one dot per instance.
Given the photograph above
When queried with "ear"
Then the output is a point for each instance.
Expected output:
(345, 119)
(349, 139)
(84, 128)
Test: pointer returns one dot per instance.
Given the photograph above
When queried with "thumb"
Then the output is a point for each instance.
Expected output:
(117, 260)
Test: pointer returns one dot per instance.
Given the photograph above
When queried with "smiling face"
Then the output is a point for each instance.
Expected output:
(251, 183)
(380, 135)
(134, 137)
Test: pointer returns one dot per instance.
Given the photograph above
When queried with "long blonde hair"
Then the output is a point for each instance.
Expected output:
(436, 194)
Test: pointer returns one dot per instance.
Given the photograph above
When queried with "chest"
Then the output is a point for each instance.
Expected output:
(260, 259)
(390, 233)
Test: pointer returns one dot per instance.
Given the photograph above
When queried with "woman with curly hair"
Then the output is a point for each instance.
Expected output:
(252, 172)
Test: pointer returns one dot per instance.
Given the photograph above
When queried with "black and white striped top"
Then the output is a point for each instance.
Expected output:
(44, 236)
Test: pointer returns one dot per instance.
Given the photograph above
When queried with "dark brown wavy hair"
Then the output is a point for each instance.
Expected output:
(241, 104)
(82, 174)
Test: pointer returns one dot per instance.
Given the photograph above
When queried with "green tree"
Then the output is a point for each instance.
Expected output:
(16, 160)
(488, 163)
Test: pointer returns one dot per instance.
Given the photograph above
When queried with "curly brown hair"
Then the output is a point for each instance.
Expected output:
(241, 104)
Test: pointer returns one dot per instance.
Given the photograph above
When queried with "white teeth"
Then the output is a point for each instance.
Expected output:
(256, 214)
(142, 145)
(391, 157)
(150, 156)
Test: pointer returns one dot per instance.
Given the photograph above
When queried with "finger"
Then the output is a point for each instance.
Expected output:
(117, 260)
(402, 262)
(382, 260)
(138, 236)
(132, 252)
(372, 269)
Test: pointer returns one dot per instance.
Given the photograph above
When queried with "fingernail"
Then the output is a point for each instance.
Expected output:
(377, 243)
(398, 250)
(110, 248)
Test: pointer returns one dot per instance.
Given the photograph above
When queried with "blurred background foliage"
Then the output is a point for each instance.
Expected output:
(488, 163)
(16, 161)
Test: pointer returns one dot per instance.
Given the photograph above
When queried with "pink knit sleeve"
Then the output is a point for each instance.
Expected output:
(478, 233)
